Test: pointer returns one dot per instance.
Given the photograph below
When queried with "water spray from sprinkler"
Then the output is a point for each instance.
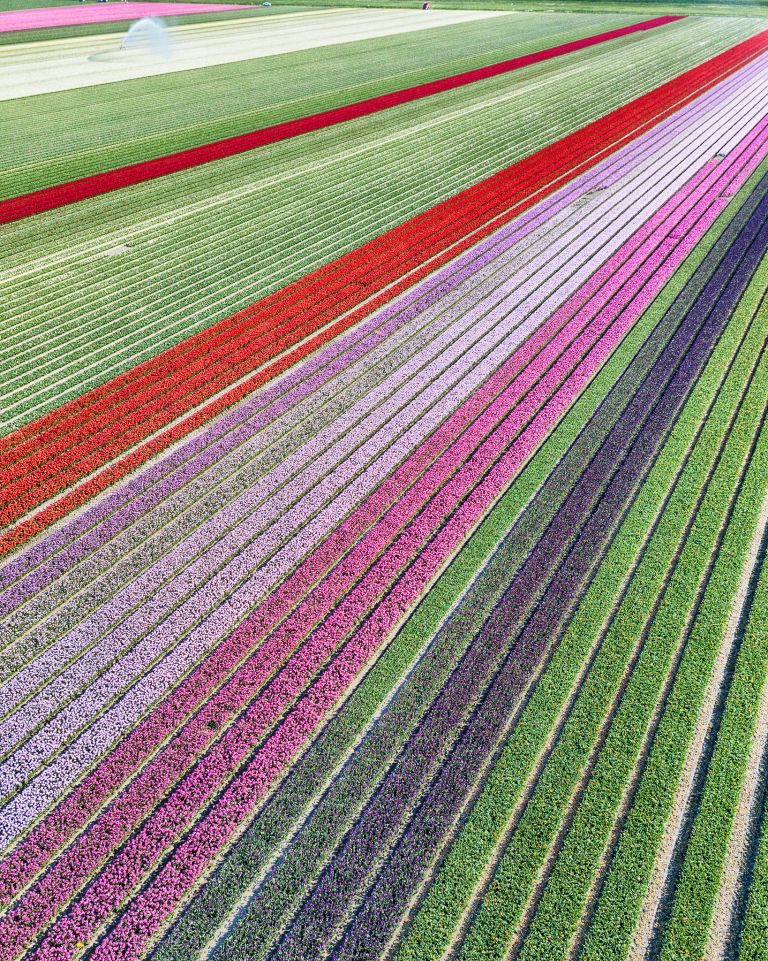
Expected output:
(148, 35)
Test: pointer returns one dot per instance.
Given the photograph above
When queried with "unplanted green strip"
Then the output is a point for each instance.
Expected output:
(561, 907)
(73, 324)
(90, 130)
(753, 940)
(687, 931)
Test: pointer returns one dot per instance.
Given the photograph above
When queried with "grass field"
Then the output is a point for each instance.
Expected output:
(384, 471)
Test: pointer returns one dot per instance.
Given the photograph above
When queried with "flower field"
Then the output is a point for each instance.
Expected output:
(384, 471)
(38, 18)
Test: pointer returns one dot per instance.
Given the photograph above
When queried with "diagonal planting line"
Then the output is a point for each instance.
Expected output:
(319, 279)
(468, 209)
(219, 653)
(331, 629)
(51, 197)
(61, 412)
(235, 278)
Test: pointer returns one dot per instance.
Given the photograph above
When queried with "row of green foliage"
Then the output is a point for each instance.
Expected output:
(611, 929)
(560, 911)
(753, 939)
(687, 930)
(91, 129)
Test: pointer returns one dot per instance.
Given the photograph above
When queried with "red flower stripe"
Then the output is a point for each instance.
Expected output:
(316, 299)
(242, 323)
(49, 198)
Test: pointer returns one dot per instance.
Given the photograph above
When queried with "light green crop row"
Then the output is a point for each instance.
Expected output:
(637, 622)
(753, 939)
(686, 933)
(560, 910)
(82, 318)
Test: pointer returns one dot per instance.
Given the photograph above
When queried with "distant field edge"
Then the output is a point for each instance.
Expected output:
(701, 8)
(50, 198)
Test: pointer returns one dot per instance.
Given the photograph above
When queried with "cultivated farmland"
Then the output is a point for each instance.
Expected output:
(384, 472)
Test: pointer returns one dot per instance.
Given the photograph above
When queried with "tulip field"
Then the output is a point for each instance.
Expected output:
(384, 485)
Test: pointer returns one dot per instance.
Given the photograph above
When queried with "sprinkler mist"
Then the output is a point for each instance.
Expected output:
(148, 36)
